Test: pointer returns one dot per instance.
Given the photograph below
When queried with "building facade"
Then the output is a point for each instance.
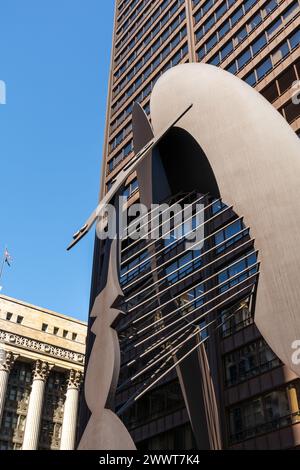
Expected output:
(41, 366)
(259, 41)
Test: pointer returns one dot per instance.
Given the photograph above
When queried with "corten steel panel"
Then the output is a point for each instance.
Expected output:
(254, 156)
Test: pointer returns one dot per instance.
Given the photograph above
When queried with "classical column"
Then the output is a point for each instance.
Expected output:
(68, 434)
(33, 420)
(7, 359)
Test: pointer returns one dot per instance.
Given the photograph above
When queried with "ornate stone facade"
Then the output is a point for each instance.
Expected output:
(41, 372)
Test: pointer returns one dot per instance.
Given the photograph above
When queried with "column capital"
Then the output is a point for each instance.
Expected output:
(41, 370)
(7, 360)
(74, 379)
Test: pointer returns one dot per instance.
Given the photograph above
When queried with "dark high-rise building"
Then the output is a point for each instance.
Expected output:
(259, 41)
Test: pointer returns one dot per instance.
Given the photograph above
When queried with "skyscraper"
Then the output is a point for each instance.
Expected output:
(259, 41)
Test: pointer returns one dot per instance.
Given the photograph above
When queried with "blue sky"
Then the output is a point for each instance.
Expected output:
(54, 59)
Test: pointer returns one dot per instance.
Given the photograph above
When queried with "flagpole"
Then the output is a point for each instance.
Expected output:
(3, 261)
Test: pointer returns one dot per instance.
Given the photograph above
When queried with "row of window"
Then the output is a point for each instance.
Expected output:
(249, 361)
(120, 136)
(236, 318)
(56, 331)
(174, 25)
(245, 31)
(114, 162)
(141, 35)
(232, 272)
(262, 414)
(132, 16)
(125, 3)
(150, 21)
(176, 59)
(145, 3)
(282, 83)
(148, 71)
(234, 18)
(152, 67)
(264, 67)
(216, 15)
(19, 318)
(131, 188)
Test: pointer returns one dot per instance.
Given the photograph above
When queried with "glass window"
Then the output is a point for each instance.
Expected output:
(212, 42)
(244, 58)
(224, 29)
(264, 68)
(237, 16)
(270, 6)
(249, 4)
(255, 22)
(295, 40)
(280, 53)
(232, 68)
(215, 60)
(241, 35)
(291, 11)
(274, 27)
(259, 44)
(227, 49)
(208, 24)
(201, 53)
(221, 10)
(251, 79)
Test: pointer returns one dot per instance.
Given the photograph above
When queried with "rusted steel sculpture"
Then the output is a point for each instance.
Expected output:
(250, 159)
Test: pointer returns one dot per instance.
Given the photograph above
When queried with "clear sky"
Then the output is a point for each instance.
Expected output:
(54, 59)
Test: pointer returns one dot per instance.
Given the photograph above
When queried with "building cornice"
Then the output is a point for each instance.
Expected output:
(41, 347)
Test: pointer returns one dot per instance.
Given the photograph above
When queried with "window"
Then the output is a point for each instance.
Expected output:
(282, 52)
(244, 59)
(291, 112)
(211, 43)
(232, 68)
(259, 415)
(20, 319)
(255, 22)
(264, 68)
(295, 40)
(215, 60)
(249, 361)
(44, 327)
(237, 16)
(273, 28)
(240, 35)
(251, 79)
(270, 7)
(74, 336)
(55, 330)
(259, 44)
(9, 316)
(271, 92)
(249, 4)
(65, 333)
(224, 29)
(291, 11)
(227, 49)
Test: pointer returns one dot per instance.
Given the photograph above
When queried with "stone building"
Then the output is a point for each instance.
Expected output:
(41, 366)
